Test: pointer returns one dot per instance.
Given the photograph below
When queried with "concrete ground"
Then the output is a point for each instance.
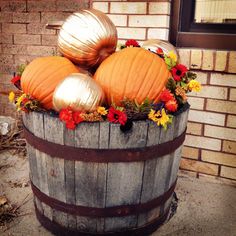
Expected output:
(204, 208)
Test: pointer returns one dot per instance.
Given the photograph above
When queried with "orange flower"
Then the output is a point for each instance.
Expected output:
(166, 95)
(171, 105)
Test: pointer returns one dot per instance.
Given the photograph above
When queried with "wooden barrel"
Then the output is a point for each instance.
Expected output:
(98, 180)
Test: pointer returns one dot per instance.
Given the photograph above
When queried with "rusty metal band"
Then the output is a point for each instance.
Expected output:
(59, 230)
(116, 211)
(103, 155)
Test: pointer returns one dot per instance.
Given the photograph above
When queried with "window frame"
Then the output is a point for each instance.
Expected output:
(186, 33)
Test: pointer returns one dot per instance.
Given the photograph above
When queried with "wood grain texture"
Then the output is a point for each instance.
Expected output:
(54, 132)
(124, 180)
(90, 178)
(103, 184)
(104, 135)
(153, 134)
(87, 135)
(157, 171)
(136, 137)
(69, 140)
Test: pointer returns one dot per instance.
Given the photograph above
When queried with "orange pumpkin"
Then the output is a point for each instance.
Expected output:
(43, 74)
(132, 73)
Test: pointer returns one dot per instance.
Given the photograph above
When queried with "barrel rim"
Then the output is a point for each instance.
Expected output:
(55, 114)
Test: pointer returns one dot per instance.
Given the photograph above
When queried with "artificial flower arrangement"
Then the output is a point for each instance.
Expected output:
(171, 99)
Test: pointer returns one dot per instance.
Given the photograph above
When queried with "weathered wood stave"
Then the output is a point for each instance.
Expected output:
(74, 182)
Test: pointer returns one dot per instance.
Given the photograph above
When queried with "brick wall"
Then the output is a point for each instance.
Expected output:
(23, 35)
(137, 19)
(210, 146)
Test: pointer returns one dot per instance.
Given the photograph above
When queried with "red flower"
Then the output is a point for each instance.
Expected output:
(25, 100)
(70, 124)
(179, 72)
(166, 95)
(15, 79)
(171, 105)
(66, 114)
(159, 51)
(116, 116)
(77, 118)
(24, 109)
(132, 42)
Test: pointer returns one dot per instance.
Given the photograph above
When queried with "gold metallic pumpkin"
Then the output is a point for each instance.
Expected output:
(87, 37)
(79, 91)
(154, 44)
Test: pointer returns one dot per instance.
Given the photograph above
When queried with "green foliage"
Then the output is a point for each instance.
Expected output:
(169, 62)
(171, 85)
(20, 69)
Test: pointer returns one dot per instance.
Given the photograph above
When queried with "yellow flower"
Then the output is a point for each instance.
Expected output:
(161, 118)
(153, 115)
(164, 119)
(173, 56)
(20, 99)
(194, 85)
(11, 97)
(102, 111)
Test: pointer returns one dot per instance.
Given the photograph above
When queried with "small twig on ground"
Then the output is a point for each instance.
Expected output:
(14, 140)
(8, 211)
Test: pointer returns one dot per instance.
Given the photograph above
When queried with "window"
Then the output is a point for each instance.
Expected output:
(204, 23)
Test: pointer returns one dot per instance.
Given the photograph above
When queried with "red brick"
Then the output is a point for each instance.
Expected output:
(14, 49)
(14, 28)
(47, 17)
(39, 28)
(6, 17)
(42, 5)
(6, 59)
(15, 6)
(8, 69)
(5, 78)
(49, 40)
(72, 5)
(27, 39)
(41, 50)
(7, 38)
(26, 17)
(23, 59)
